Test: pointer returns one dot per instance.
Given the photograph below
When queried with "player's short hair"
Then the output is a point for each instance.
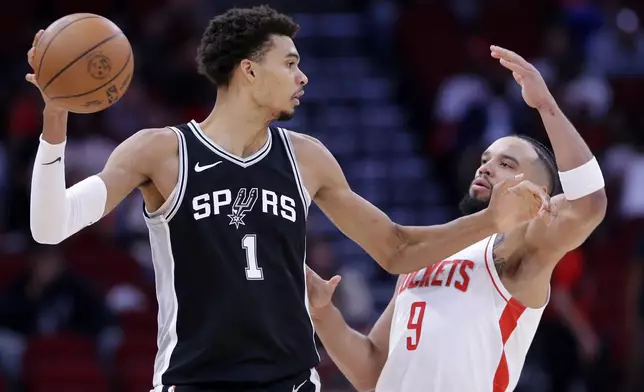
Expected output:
(547, 158)
(238, 34)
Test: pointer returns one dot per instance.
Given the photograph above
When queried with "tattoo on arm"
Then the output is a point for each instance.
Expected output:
(499, 262)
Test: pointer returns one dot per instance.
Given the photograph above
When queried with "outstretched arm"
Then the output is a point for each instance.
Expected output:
(360, 358)
(404, 249)
(583, 205)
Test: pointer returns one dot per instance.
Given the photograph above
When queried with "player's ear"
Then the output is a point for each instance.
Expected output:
(246, 66)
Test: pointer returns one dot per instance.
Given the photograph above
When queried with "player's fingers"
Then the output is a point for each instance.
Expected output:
(541, 198)
(499, 52)
(31, 78)
(547, 214)
(30, 57)
(37, 37)
(538, 192)
(518, 189)
(333, 282)
(331, 285)
(512, 66)
(311, 276)
(513, 184)
(518, 78)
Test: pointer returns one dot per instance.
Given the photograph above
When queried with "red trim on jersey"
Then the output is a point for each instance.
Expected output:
(507, 323)
(487, 266)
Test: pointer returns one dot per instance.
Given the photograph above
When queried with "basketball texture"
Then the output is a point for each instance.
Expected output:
(83, 62)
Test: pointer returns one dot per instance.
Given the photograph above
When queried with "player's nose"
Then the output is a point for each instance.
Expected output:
(303, 80)
(485, 169)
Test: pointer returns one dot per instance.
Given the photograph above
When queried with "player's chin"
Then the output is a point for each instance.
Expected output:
(480, 193)
(286, 115)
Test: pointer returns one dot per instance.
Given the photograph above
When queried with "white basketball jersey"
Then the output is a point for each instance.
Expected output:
(456, 328)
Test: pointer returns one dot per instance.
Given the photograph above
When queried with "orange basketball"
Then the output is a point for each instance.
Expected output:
(84, 63)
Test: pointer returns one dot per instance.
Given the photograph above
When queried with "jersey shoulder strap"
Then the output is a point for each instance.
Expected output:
(284, 135)
(171, 205)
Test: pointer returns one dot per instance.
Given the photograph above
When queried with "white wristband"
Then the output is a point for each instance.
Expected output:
(582, 180)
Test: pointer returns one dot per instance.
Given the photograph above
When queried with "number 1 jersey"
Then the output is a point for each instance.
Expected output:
(228, 248)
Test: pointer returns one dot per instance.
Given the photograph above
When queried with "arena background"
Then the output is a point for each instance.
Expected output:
(406, 97)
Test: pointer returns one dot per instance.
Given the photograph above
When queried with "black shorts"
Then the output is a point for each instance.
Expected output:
(307, 381)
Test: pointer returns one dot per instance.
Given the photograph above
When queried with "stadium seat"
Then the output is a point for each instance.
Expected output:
(67, 375)
(63, 363)
(139, 323)
(135, 362)
(43, 354)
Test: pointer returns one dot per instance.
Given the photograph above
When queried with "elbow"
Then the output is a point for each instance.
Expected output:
(45, 238)
(392, 267)
(590, 209)
(390, 262)
(394, 251)
(597, 206)
(387, 263)
(44, 235)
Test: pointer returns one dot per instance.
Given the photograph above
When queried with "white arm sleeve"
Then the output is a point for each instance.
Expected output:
(56, 212)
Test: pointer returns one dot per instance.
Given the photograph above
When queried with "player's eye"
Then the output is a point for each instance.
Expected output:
(506, 165)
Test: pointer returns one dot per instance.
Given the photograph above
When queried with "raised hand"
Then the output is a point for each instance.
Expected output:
(533, 88)
(517, 201)
(320, 291)
(31, 77)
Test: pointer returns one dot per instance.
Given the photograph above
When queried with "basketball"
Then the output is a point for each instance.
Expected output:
(83, 62)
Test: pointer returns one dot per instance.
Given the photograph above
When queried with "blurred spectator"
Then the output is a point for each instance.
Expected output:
(464, 92)
(624, 163)
(617, 49)
(46, 300)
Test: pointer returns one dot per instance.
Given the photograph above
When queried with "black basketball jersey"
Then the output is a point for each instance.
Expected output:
(229, 251)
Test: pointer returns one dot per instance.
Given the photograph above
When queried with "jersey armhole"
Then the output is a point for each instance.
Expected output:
(169, 208)
(304, 193)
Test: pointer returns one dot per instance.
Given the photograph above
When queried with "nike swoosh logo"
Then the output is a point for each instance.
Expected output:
(299, 386)
(59, 159)
(199, 169)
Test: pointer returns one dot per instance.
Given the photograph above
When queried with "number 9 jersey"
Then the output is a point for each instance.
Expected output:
(456, 328)
(228, 248)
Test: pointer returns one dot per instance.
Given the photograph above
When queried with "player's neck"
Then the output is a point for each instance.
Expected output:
(235, 128)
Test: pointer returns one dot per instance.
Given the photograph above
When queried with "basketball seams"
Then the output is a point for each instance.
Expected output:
(65, 68)
(74, 63)
(127, 62)
(54, 37)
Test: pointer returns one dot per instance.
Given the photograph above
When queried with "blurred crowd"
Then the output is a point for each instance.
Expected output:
(93, 296)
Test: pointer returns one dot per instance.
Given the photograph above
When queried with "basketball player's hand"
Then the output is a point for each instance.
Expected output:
(31, 78)
(320, 291)
(533, 88)
(517, 201)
